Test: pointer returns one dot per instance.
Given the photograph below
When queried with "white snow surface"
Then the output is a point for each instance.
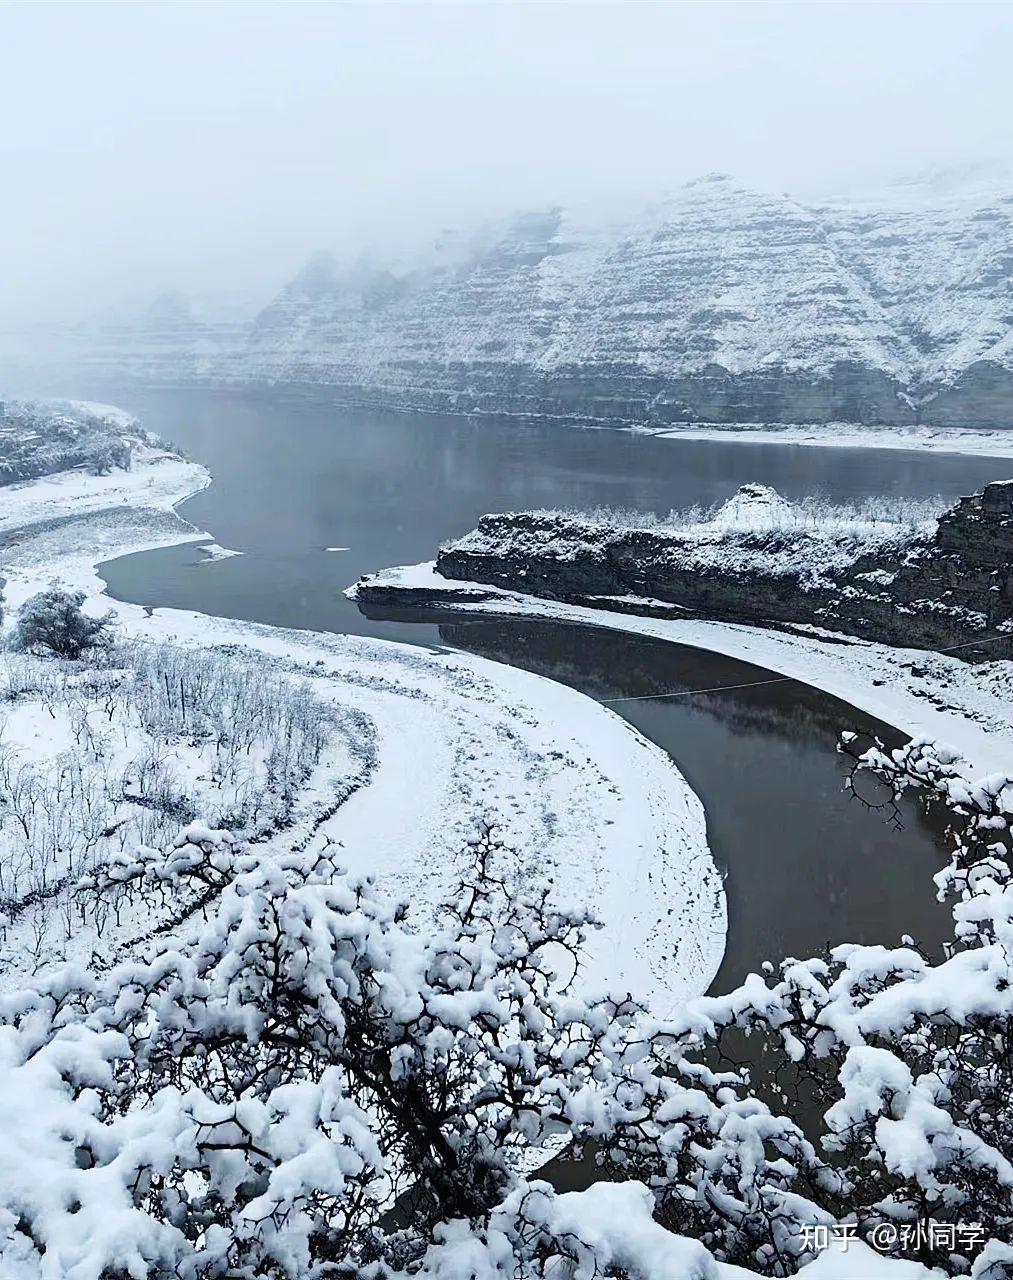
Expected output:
(573, 790)
(845, 435)
(613, 1220)
(115, 416)
(212, 551)
(158, 482)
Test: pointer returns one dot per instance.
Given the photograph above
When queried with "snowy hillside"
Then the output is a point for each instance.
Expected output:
(719, 303)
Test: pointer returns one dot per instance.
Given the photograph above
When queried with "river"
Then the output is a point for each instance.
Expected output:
(294, 476)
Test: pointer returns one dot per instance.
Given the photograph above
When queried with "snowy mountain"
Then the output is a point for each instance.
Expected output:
(719, 303)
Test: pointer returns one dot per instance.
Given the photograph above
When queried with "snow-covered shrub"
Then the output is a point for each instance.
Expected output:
(53, 622)
(122, 750)
(102, 455)
(255, 1100)
(609, 1230)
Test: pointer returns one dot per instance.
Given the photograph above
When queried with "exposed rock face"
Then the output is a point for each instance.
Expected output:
(949, 587)
(973, 560)
(718, 304)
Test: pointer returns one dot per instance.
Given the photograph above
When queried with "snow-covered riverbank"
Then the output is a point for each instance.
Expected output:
(63, 525)
(919, 692)
(997, 443)
(575, 792)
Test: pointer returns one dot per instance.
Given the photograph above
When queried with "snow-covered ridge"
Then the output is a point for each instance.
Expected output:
(718, 303)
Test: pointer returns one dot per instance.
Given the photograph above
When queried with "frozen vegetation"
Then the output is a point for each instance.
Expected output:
(758, 508)
(103, 757)
(39, 439)
(755, 531)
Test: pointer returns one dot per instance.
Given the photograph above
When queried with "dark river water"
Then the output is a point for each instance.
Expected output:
(806, 865)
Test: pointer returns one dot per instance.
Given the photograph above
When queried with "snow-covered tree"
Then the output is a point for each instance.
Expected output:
(104, 453)
(53, 621)
(897, 1065)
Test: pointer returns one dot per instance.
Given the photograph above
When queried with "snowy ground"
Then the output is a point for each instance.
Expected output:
(120, 751)
(997, 443)
(573, 790)
(968, 707)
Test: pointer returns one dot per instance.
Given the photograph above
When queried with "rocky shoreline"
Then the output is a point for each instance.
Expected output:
(923, 588)
(627, 396)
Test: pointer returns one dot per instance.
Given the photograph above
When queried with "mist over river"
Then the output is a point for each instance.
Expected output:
(314, 495)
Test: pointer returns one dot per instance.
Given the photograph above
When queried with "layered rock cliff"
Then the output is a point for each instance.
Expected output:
(717, 304)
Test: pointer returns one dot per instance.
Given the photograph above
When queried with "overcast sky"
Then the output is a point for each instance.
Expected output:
(210, 148)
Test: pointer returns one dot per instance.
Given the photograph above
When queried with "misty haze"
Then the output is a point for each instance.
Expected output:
(506, 641)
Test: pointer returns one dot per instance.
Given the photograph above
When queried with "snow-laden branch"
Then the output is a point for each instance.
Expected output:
(309, 1082)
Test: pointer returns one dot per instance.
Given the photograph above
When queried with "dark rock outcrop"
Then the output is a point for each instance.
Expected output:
(950, 587)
